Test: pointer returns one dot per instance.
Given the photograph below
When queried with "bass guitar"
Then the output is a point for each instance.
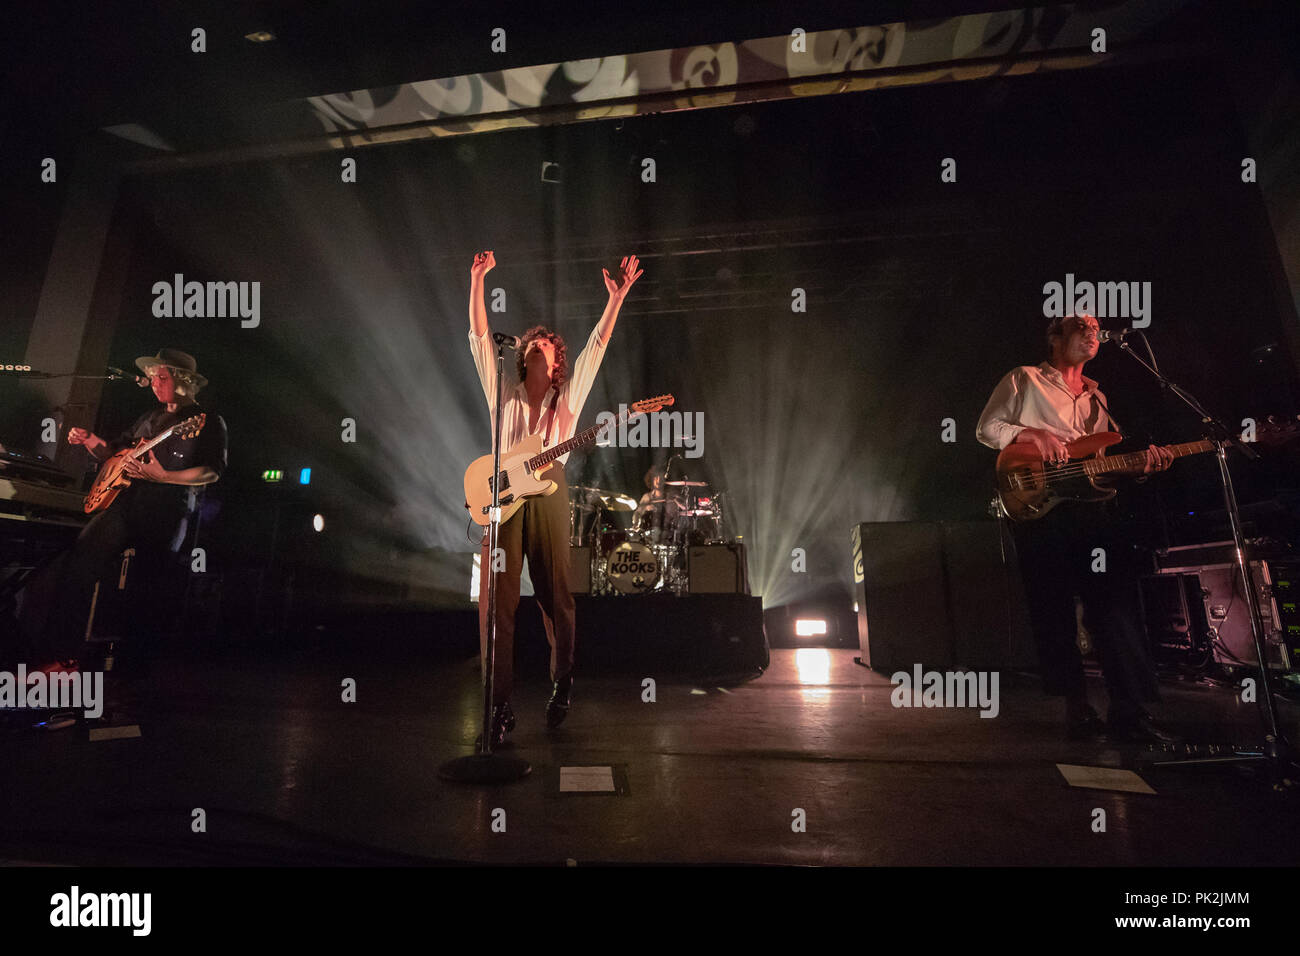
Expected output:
(1029, 487)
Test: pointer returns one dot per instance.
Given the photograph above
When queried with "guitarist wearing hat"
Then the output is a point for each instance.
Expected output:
(152, 513)
(548, 401)
(1047, 406)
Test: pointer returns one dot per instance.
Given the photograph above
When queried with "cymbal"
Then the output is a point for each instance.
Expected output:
(615, 502)
(592, 492)
(687, 484)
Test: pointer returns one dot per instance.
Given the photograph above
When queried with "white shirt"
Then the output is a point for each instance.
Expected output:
(568, 404)
(1037, 397)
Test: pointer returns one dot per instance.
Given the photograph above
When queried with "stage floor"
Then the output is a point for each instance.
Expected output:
(287, 773)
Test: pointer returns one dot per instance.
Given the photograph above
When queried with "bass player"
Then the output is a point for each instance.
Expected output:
(1049, 405)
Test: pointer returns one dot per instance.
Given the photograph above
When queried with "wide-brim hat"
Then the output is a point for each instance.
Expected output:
(173, 359)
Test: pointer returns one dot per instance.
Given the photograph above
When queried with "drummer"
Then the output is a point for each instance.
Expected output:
(656, 510)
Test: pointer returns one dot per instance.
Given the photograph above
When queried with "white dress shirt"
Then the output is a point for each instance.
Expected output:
(1036, 396)
(568, 404)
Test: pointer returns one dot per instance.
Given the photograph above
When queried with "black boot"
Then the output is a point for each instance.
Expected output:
(561, 697)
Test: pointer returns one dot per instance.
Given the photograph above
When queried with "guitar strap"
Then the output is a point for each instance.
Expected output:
(550, 416)
(1118, 427)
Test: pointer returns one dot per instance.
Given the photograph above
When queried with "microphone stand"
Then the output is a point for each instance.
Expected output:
(486, 766)
(1276, 751)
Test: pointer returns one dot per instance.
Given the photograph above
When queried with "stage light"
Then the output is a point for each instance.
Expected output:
(259, 36)
(318, 522)
(806, 627)
(304, 476)
(272, 474)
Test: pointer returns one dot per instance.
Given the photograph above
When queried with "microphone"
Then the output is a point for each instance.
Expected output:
(513, 341)
(1106, 335)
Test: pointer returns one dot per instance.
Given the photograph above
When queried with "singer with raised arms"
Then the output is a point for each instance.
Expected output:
(1035, 412)
(548, 401)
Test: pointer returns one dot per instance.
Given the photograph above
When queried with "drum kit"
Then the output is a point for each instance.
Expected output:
(648, 552)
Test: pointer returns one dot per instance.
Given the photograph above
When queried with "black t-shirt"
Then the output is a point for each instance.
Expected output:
(158, 500)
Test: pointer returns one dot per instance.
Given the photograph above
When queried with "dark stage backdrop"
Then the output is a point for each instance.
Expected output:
(920, 295)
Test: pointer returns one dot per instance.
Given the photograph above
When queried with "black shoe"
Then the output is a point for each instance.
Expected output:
(1142, 730)
(558, 707)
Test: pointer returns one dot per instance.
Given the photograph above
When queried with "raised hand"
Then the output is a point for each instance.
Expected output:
(628, 272)
(79, 436)
(483, 264)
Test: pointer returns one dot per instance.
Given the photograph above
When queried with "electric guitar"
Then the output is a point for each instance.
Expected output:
(1029, 487)
(522, 466)
(111, 478)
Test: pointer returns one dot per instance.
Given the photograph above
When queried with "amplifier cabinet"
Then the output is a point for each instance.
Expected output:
(580, 569)
(1209, 610)
(717, 569)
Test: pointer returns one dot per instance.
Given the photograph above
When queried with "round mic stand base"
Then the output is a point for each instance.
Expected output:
(485, 768)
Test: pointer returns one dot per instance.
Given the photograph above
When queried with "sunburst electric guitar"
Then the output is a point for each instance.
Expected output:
(1029, 487)
(522, 466)
(112, 478)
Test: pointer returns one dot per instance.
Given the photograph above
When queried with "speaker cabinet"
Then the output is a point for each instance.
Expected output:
(903, 614)
(580, 569)
(938, 594)
(717, 569)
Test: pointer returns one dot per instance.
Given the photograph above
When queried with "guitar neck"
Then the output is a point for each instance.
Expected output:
(153, 441)
(1136, 459)
(577, 441)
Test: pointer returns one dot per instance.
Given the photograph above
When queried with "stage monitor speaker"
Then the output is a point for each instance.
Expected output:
(717, 569)
(580, 569)
(903, 616)
(941, 595)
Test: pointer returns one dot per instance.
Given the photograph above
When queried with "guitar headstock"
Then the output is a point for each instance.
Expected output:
(1277, 430)
(190, 427)
(649, 405)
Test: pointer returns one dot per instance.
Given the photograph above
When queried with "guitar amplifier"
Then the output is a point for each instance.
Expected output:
(1207, 612)
(580, 569)
(717, 569)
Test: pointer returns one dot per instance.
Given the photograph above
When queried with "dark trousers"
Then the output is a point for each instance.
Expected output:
(539, 531)
(1056, 555)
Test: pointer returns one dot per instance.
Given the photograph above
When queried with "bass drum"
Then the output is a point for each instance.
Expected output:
(633, 568)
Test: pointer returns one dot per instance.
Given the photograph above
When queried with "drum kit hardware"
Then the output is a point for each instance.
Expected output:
(649, 552)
